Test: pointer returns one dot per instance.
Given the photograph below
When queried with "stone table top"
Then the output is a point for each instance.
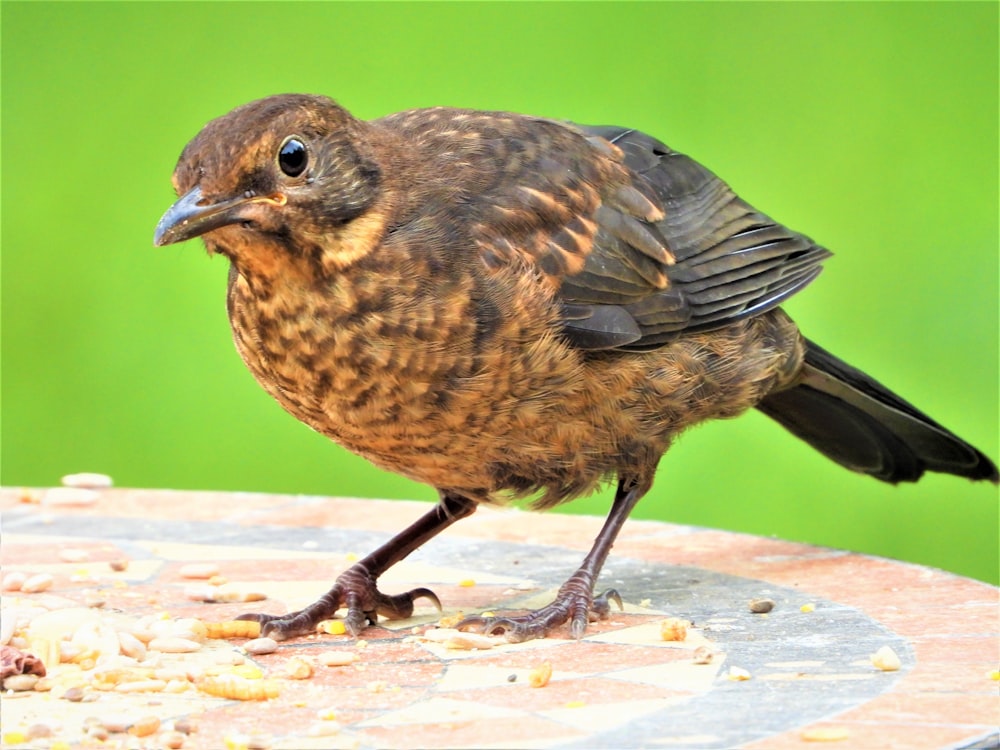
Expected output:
(797, 675)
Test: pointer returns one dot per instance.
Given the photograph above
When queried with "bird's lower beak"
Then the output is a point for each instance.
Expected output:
(192, 216)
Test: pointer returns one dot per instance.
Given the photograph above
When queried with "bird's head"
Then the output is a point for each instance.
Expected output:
(285, 174)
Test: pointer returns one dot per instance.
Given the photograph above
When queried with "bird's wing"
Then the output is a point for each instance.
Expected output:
(644, 253)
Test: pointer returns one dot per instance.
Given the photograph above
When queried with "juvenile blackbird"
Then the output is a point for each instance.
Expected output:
(505, 306)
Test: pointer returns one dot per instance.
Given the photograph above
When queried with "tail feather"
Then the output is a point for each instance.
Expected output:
(859, 423)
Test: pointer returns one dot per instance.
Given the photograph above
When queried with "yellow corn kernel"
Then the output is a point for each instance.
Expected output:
(332, 627)
(540, 675)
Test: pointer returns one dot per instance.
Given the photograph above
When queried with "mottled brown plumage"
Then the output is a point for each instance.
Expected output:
(505, 306)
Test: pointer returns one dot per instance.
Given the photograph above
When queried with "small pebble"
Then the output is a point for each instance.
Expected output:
(70, 496)
(761, 606)
(37, 583)
(73, 694)
(512, 677)
(259, 646)
(738, 674)
(118, 565)
(87, 479)
(186, 725)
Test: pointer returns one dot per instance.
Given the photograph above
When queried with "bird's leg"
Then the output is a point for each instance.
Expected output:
(356, 589)
(575, 601)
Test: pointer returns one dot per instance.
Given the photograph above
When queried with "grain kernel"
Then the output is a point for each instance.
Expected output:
(298, 668)
(174, 645)
(233, 629)
(72, 555)
(145, 726)
(37, 583)
(761, 606)
(540, 675)
(70, 496)
(885, 659)
(337, 658)
(331, 627)
(14, 580)
(173, 740)
(20, 682)
(141, 686)
(259, 646)
(87, 480)
(673, 629)
(199, 570)
(825, 734)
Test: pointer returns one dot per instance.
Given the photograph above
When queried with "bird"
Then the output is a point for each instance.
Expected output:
(509, 307)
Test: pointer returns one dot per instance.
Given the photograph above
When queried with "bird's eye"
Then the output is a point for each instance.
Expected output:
(292, 157)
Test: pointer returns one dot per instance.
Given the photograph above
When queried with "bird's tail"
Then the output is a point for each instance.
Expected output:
(859, 423)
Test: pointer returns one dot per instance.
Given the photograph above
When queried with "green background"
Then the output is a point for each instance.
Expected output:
(871, 127)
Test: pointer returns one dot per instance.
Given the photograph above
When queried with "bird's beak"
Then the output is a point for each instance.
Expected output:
(192, 216)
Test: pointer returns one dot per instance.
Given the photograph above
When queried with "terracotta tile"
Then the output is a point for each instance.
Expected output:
(938, 619)
(951, 677)
(965, 649)
(924, 708)
(459, 733)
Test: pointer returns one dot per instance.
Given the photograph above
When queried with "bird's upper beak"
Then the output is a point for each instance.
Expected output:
(192, 216)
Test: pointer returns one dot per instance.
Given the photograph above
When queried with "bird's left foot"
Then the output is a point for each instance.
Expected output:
(575, 603)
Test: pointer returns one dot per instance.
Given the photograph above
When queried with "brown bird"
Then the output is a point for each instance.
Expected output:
(505, 306)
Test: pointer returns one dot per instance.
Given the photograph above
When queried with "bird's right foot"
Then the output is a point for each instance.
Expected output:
(354, 589)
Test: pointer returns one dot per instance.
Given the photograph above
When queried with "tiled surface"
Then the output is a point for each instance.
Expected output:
(621, 686)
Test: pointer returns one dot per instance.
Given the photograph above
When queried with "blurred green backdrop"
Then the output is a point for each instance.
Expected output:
(872, 127)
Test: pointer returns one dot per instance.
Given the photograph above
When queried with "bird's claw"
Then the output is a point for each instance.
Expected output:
(571, 604)
(356, 590)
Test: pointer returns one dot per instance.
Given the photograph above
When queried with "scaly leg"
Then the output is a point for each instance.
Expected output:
(575, 601)
(356, 589)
